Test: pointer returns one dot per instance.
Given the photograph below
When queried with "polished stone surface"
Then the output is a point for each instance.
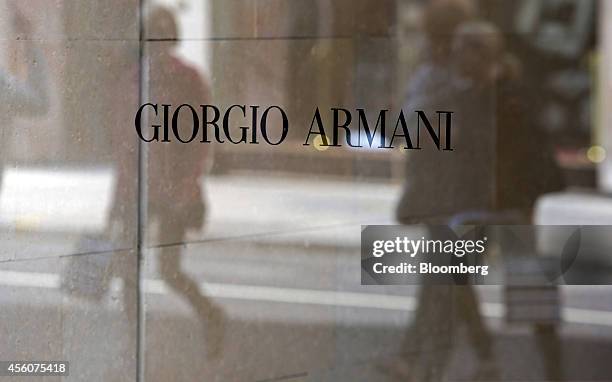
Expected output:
(220, 262)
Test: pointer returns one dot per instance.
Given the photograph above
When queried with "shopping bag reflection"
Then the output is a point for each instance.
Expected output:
(86, 274)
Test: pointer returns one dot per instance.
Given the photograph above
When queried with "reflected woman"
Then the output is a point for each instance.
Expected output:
(174, 192)
(174, 188)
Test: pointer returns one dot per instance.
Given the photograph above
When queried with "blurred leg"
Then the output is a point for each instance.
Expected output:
(469, 313)
(210, 315)
(549, 343)
(434, 332)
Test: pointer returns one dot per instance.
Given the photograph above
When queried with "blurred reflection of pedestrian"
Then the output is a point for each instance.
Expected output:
(507, 166)
(435, 86)
(174, 188)
(466, 175)
(174, 171)
(28, 96)
(468, 185)
(525, 164)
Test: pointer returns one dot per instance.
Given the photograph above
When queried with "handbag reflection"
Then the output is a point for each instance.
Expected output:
(86, 273)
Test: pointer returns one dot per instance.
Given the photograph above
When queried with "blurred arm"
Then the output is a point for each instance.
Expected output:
(29, 97)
